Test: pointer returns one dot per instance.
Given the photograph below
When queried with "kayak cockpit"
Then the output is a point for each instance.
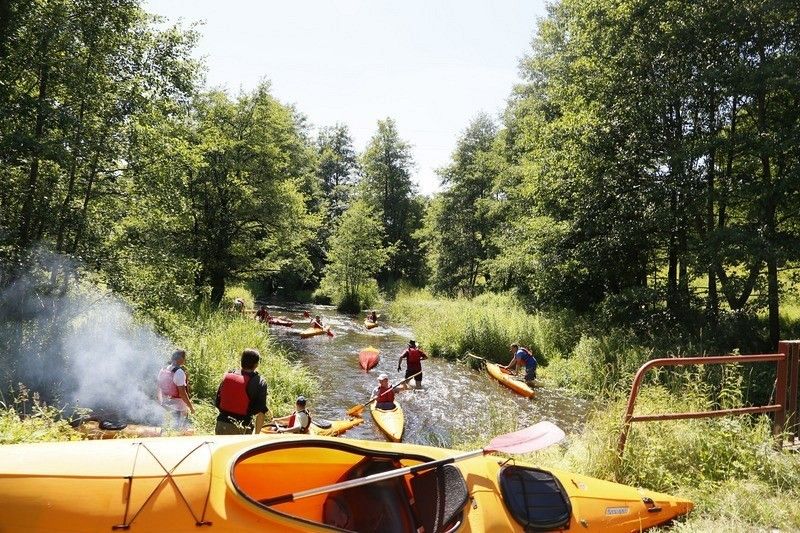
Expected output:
(432, 499)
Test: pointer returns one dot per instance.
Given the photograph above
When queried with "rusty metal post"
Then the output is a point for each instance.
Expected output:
(793, 371)
(779, 422)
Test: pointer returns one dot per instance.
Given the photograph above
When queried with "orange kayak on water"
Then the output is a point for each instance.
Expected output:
(508, 379)
(368, 358)
(369, 324)
(391, 422)
(225, 482)
(313, 332)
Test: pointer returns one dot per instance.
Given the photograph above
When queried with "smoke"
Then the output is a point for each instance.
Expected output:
(76, 344)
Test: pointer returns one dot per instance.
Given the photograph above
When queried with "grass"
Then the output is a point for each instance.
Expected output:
(26, 419)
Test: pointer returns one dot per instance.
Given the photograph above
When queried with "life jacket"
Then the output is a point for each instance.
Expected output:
(526, 358)
(414, 357)
(291, 420)
(385, 397)
(233, 396)
(166, 384)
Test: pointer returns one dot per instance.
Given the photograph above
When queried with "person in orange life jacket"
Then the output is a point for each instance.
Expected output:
(317, 323)
(414, 357)
(523, 356)
(297, 422)
(241, 397)
(262, 315)
(173, 388)
(384, 394)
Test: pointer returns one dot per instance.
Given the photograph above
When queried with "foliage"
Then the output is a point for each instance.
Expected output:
(386, 185)
(27, 419)
(356, 254)
(461, 224)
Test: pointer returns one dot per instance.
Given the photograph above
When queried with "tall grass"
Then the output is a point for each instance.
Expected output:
(484, 326)
(24, 418)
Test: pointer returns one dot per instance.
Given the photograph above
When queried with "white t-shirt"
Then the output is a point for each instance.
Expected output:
(179, 378)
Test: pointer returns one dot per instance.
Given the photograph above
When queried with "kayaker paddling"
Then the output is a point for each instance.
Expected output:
(522, 356)
(262, 315)
(414, 357)
(297, 422)
(242, 398)
(384, 393)
(173, 389)
(316, 322)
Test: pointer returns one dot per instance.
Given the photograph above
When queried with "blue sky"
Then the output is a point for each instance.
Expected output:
(431, 65)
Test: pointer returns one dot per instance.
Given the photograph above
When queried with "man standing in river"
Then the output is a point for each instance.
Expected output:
(242, 398)
(414, 357)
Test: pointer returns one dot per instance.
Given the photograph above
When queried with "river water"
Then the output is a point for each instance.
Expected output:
(455, 402)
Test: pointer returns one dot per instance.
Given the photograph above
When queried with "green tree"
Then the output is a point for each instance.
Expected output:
(463, 225)
(337, 168)
(356, 253)
(386, 166)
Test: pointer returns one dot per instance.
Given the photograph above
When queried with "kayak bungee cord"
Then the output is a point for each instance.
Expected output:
(167, 477)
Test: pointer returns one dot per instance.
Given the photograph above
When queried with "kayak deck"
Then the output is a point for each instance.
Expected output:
(518, 386)
(369, 324)
(391, 423)
(368, 358)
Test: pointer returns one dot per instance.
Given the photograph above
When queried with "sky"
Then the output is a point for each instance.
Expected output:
(431, 65)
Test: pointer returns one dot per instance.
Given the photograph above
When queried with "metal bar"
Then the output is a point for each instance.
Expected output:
(778, 408)
(779, 422)
(708, 414)
(793, 372)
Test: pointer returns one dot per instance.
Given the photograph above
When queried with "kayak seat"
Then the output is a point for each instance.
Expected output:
(536, 498)
(378, 507)
(440, 496)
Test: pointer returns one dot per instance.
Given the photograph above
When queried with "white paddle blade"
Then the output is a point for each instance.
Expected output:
(530, 439)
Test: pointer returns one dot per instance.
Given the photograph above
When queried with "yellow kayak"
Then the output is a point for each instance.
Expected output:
(369, 324)
(391, 423)
(325, 428)
(312, 332)
(179, 483)
(507, 379)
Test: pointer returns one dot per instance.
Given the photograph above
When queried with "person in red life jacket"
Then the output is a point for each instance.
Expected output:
(173, 389)
(316, 322)
(262, 315)
(373, 317)
(242, 398)
(523, 357)
(414, 357)
(297, 422)
(384, 394)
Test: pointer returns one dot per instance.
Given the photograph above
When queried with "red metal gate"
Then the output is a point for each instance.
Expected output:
(786, 389)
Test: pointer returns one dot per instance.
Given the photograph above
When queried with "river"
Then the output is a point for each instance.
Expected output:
(455, 403)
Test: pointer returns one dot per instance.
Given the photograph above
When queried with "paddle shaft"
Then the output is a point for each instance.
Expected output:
(361, 406)
(374, 478)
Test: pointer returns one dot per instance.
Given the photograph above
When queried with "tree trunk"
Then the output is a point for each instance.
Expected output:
(217, 288)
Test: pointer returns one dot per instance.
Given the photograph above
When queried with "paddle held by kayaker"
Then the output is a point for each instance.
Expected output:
(297, 422)
(173, 389)
(414, 357)
(242, 398)
(522, 356)
(385, 394)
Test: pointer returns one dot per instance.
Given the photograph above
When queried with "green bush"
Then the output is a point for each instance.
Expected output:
(26, 419)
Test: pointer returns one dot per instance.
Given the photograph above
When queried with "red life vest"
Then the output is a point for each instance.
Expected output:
(414, 357)
(385, 397)
(291, 420)
(233, 396)
(166, 384)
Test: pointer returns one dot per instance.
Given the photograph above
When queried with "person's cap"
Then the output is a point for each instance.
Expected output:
(301, 399)
(412, 343)
(382, 377)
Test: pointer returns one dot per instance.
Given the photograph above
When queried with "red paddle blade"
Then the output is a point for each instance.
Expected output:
(329, 332)
(530, 439)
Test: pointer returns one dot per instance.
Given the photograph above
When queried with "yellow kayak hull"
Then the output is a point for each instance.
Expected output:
(177, 483)
(391, 423)
(369, 324)
(520, 387)
(337, 427)
(311, 332)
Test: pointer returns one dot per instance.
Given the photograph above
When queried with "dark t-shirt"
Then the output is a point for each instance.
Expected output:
(256, 392)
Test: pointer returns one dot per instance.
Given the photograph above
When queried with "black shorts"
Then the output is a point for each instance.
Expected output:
(411, 371)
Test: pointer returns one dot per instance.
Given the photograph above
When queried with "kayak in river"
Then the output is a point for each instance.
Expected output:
(322, 427)
(369, 324)
(368, 358)
(180, 483)
(390, 422)
(312, 332)
(280, 321)
(507, 378)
